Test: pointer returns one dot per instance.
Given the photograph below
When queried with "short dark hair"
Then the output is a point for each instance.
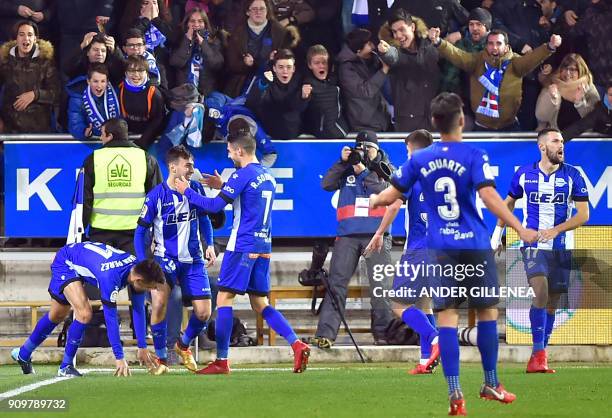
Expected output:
(136, 62)
(357, 38)
(446, 109)
(499, 32)
(150, 272)
(22, 23)
(116, 127)
(238, 126)
(400, 14)
(97, 39)
(97, 68)
(283, 54)
(133, 33)
(176, 152)
(244, 141)
(546, 131)
(421, 138)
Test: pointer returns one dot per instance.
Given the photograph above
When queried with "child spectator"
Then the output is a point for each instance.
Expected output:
(279, 98)
(134, 45)
(323, 117)
(141, 104)
(89, 109)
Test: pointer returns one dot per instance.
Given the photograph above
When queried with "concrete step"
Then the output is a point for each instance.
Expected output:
(338, 354)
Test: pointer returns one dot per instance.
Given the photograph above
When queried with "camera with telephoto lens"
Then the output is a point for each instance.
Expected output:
(359, 154)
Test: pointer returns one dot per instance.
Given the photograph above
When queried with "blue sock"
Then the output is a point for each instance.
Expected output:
(550, 323)
(160, 335)
(73, 340)
(279, 324)
(432, 319)
(416, 319)
(194, 327)
(223, 330)
(488, 344)
(537, 317)
(43, 328)
(449, 352)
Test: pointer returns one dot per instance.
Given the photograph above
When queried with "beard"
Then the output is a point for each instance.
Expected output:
(554, 157)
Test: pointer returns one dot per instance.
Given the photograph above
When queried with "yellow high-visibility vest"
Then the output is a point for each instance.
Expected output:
(119, 189)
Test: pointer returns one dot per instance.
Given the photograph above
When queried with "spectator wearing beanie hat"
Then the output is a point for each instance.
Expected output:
(361, 78)
(455, 80)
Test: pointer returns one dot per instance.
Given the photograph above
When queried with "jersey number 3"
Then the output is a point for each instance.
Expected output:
(450, 211)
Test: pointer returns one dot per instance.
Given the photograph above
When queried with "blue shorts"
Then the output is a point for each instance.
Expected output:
(410, 279)
(555, 265)
(245, 273)
(459, 275)
(61, 276)
(191, 277)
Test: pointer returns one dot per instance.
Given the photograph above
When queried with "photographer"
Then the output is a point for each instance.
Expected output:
(360, 172)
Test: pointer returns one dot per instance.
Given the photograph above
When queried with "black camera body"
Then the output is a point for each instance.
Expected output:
(359, 154)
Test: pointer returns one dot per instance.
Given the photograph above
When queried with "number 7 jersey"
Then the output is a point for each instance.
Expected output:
(250, 190)
(450, 173)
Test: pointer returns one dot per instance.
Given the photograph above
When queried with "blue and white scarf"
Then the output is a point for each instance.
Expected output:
(135, 89)
(189, 129)
(96, 116)
(154, 38)
(195, 64)
(152, 63)
(491, 80)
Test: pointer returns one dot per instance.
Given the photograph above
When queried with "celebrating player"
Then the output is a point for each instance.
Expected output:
(552, 189)
(450, 173)
(246, 262)
(177, 226)
(415, 311)
(110, 270)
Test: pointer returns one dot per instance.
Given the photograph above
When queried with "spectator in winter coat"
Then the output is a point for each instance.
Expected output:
(414, 73)
(568, 94)
(251, 45)
(323, 117)
(29, 80)
(361, 77)
(198, 58)
(279, 98)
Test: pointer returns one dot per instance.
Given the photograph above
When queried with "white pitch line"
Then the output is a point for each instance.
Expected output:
(31, 387)
(181, 370)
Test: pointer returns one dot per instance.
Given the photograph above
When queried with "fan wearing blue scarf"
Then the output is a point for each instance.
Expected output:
(135, 45)
(97, 104)
(153, 36)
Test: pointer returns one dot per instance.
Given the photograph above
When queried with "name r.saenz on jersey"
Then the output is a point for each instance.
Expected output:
(262, 178)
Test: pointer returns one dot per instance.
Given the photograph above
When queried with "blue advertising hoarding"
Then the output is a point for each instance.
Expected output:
(40, 176)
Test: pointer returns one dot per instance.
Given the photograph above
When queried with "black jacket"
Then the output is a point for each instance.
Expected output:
(598, 119)
(144, 117)
(153, 178)
(323, 117)
(278, 106)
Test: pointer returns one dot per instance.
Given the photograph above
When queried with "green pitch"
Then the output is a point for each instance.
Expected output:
(339, 390)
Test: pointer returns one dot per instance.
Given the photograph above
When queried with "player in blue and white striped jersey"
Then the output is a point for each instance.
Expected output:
(177, 229)
(552, 190)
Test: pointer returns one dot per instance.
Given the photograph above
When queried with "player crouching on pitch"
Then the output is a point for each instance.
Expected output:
(552, 190)
(110, 270)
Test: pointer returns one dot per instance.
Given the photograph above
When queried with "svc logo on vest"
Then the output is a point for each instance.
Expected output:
(119, 172)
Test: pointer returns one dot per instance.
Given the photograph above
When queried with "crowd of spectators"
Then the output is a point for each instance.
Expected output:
(303, 66)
